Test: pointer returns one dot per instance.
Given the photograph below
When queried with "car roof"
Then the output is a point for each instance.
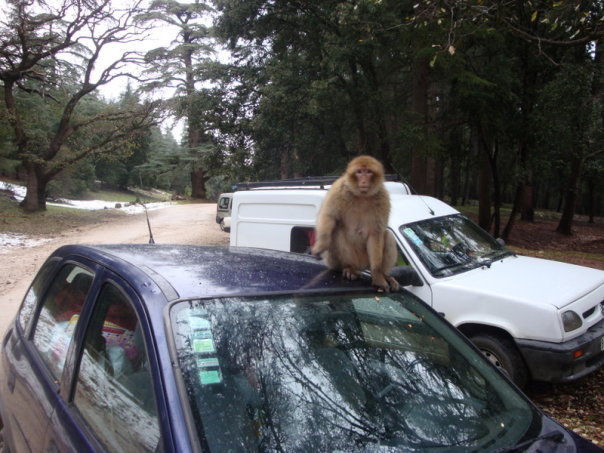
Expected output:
(185, 271)
(414, 208)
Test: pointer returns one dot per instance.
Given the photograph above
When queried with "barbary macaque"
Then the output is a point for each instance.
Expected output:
(351, 226)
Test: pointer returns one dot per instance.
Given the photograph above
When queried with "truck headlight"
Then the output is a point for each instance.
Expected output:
(571, 321)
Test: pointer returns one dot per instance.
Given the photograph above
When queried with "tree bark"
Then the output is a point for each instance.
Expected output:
(568, 211)
(422, 166)
(484, 184)
(198, 183)
(35, 196)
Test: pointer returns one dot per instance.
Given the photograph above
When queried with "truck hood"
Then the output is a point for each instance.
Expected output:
(529, 279)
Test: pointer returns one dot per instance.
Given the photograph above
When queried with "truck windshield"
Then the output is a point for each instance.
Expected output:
(452, 244)
(353, 372)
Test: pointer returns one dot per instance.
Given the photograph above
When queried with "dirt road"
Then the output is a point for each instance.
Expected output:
(183, 224)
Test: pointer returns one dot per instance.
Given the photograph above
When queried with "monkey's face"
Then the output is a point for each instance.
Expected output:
(364, 179)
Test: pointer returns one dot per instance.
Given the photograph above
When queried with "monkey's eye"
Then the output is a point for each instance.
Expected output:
(364, 171)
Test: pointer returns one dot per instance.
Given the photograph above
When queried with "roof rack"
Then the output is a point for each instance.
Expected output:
(309, 182)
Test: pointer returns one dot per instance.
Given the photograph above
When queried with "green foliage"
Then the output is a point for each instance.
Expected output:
(311, 84)
(73, 182)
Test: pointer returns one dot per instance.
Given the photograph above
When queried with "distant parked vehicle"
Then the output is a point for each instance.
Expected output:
(223, 211)
(535, 319)
(178, 349)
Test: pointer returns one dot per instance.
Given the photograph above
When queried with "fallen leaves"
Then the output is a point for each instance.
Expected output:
(578, 406)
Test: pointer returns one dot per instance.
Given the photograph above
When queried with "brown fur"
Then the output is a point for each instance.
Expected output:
(351, 227)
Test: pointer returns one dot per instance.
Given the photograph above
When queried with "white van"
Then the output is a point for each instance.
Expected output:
(534, 318)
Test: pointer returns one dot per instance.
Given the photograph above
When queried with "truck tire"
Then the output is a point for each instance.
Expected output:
(502, 353)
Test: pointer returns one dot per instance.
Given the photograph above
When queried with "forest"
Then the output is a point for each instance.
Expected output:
(497, 102)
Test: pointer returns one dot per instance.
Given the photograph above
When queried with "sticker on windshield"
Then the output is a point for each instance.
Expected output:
(207, 363)
(210, 377)
(209, 370)
(203, 345)
(412, 236)
(204, 348)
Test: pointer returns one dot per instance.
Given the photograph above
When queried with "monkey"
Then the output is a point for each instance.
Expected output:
(351, 232)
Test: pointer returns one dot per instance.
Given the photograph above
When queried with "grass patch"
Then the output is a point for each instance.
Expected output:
(50, 222)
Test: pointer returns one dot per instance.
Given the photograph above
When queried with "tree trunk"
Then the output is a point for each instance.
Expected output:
(527, 210)
(455, 158)
(526, 138)
(591, 199)
(284, 164)
(496, 193)
(422, 166)
(35, 196)
(484, 184)
(507, 231)
(570, 200)
(198, 183)
(195, 134)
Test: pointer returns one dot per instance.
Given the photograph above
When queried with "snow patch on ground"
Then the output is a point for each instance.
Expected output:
(20, 240)
(8, 240)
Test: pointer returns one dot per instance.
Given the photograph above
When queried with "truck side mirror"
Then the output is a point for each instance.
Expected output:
(406, 276)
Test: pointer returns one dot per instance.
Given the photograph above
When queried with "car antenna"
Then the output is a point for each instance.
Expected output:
(414, 192)
(151, 240)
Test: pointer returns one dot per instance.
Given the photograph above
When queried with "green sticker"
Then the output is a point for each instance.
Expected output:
(203, 345)
(210, 377)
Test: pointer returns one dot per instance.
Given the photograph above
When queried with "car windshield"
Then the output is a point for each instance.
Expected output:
(452, 244)
(354, 373)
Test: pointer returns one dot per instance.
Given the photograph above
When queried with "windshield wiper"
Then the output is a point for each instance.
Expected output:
(556, 436)
(489, 259)
(450, 266)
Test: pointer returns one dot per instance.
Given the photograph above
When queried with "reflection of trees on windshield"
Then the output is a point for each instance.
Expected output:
(320, 377)
(451, 243)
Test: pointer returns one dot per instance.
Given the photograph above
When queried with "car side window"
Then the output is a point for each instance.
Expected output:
(59, 315)
(114, 391)
(34, 293)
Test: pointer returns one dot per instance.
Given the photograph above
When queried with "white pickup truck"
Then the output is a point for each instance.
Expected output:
(535, 319)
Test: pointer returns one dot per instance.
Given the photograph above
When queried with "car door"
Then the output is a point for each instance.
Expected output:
(110, 402)
(36, 351)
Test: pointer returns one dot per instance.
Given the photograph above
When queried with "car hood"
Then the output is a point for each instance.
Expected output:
(529, 279)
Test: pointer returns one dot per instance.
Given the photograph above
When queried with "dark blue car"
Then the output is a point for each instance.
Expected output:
(147, 348)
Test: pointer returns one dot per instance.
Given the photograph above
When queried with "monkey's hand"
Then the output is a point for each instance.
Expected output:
(350, 273)
(394, 285)
(385, 283)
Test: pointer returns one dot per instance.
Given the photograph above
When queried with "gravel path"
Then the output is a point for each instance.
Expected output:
(192, 224)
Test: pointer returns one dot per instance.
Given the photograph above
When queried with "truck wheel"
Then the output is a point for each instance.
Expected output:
(502, 353)
(222, 227)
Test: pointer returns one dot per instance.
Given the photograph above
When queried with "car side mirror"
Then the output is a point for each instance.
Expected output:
(406, 276)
